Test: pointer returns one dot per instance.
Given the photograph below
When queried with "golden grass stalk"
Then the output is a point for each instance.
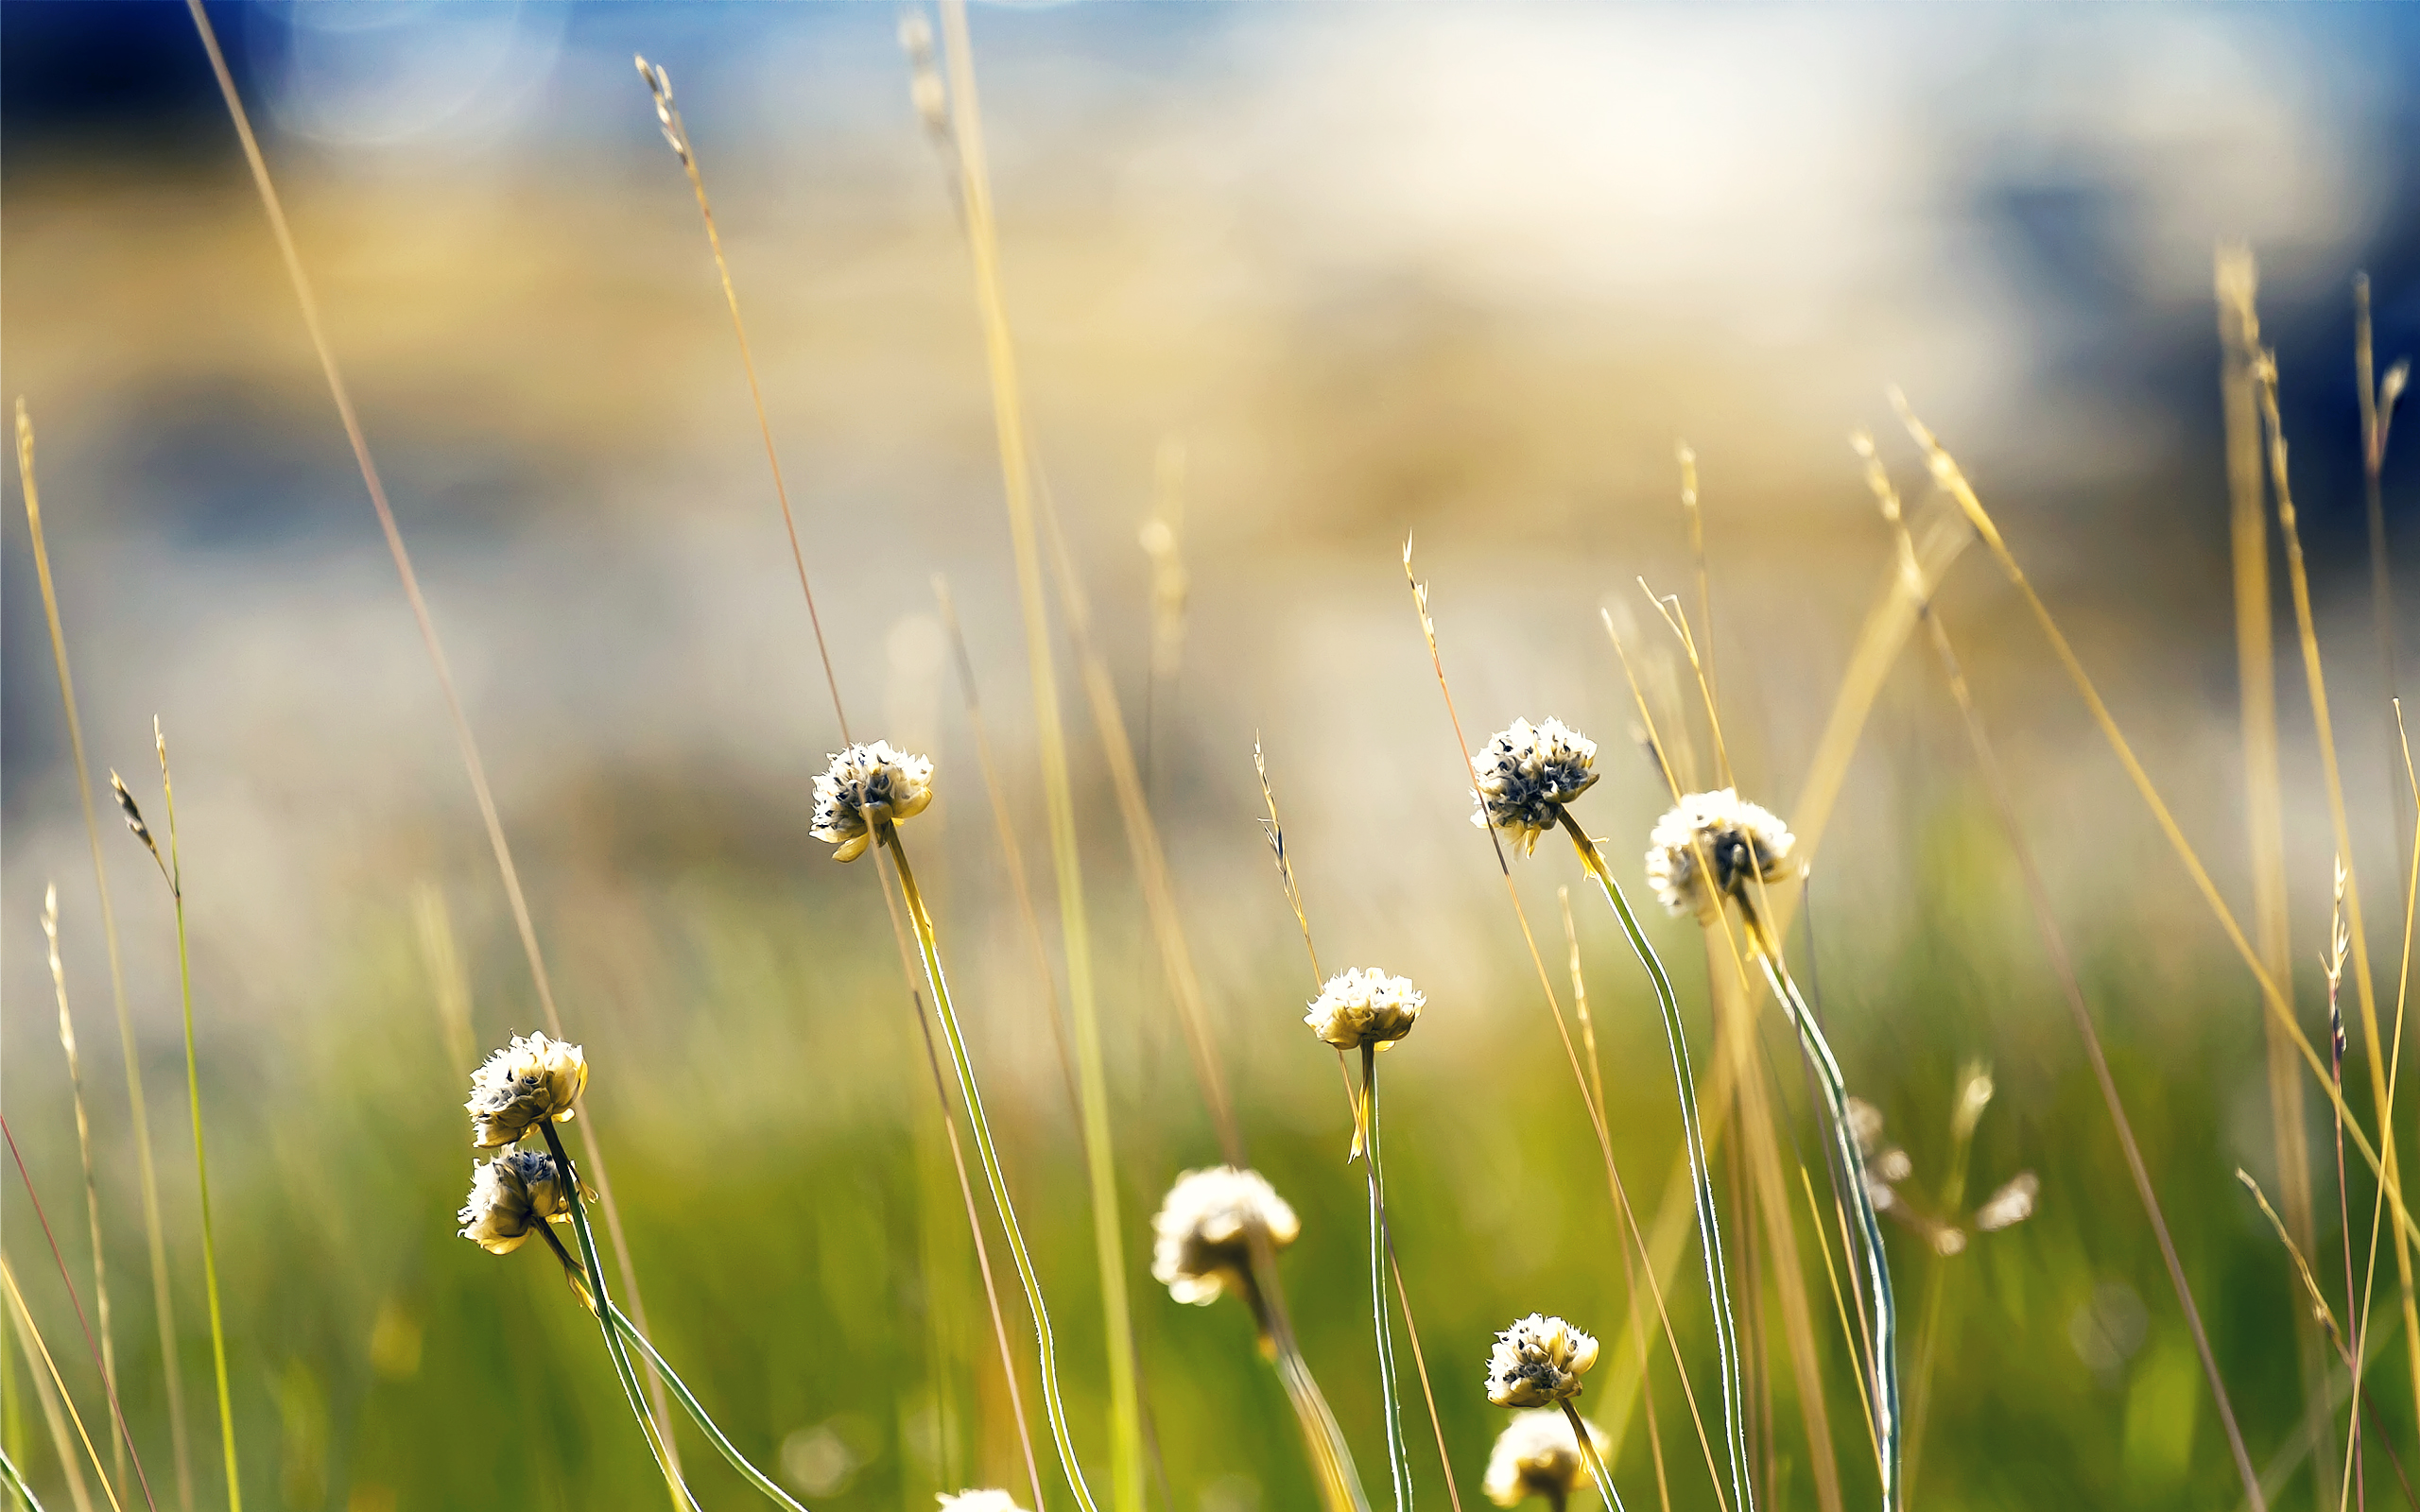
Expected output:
(138, 1106)
(1944, 472)
(473, 766)
(2238, 279)
(1016, 476)
(2364, 990)
(172, 872)
(84, 1150)
(57, 1403)
(1598, 1124)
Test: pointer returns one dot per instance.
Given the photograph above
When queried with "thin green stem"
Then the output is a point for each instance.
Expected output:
(1398, 1471)
(1589, 1456)
(601, 1303)
(1718, 1280)
(200, 1156)
(16, 1483)
(687, 1399)
(928, 945)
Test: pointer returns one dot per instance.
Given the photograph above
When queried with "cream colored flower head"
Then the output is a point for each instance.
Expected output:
(1538, 1362)
(865, 788)
(1204, 1232)
(509, 1196)
(1538, 1454)
(1365, 1006)
(980, 1501)
(1742, 845)
(526, 1083)
(1525, 777)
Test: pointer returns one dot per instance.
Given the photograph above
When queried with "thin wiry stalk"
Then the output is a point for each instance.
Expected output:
(2332, 963)
(138, 1106)
(473, 766)
(172, 869)
(2037, 894)
(962, 1064)
(2237, 281)
(687, 1399)
(15, 1481)
(1596, 1111)
(1701, 1175)
(58, 1384)
(2402, 988)
(1398, 1472)
(84, 1149)
(2378, 417)
(2314, 678)
(1016, 475)
(1589, 1456)
(657, 1438)
(1953, 481)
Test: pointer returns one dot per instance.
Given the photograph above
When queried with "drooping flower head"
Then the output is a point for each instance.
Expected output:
(1524, 776)
(865, 788)
(529, 1082)
(509, 1196)
(1538, 1454)
(1365, 1006)
(1742, 845)
(985, 1501)
(1538, 1362)
(1204, 1232)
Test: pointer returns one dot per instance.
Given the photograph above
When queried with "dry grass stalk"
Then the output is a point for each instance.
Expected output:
(2238, 284)
(138, 1105)
(84, 1150)
(57, 1406)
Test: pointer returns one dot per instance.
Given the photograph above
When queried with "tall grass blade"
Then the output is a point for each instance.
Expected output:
(84, 1150)
(57, 1398)
(138, 1105)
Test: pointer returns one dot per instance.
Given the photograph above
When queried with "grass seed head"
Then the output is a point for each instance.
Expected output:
(1538, 1362)
(1365, 1006)
(529, 1082)
(1204, 1227)
(866, 788)
(509, 1196)
(1538, 1454)
(1524, 776)
(1714, 845)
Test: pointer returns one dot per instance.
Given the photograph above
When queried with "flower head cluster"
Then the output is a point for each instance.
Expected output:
(865, 788)
(1526, 774)
(1538, 1362)
(1365, 1006)
(509, 1196)
(978, 1502)
(1712, 846)
(1204, 1232)
(530, 1081)
(1538, 1454)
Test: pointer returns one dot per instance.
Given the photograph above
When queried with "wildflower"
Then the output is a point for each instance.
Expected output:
(1527, 773)
(1538, 1362)
(531, 1081)
(509, 1196)
(1740, 843)
(1204, 1232)
(978, 1502)
(1365, 1006)
(2010, 1205)
(1538, 1454)
(866, 788)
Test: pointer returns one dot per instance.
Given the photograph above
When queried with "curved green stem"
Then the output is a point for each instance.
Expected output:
(681, 1392)
(1589, 1456)
(928, 946)
(15, 1481)
(1398, 1471)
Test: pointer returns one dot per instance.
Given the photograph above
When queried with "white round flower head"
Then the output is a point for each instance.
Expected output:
(865, 788)
(986, 1501)
(1365, 1006)
(1203, 1231)
(1538, 1454)
(509, 1196)
(1538, 1362)
(529, 1082)
(1527, 773)
(1742, 845)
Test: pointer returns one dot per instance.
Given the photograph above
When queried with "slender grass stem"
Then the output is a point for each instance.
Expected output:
(595, 1269)
(138, 1106)
(962, 1065)
(1331, 1457)
(687, 1399)
(58, 1384)
(174, 871)
(84, 1151)
(15, 1481)
(1701, 1174)
(1589, 1456)
(1398, 1471)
